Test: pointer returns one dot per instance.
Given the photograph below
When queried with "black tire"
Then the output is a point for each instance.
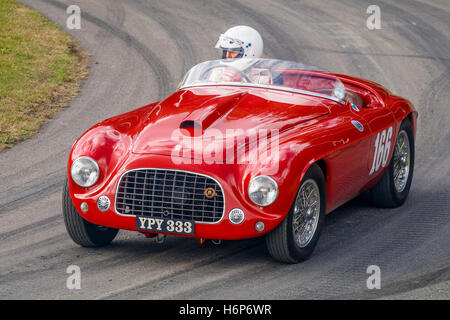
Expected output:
(281, 242)
(384, 194)
(81, 231)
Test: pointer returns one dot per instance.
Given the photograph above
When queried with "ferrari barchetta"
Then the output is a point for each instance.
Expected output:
(243, 148)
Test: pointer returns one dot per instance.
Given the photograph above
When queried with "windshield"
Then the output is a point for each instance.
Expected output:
(266, 73)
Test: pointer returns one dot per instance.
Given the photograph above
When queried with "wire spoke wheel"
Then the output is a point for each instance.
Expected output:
(402, 161)
(295, 238)
(306, 213)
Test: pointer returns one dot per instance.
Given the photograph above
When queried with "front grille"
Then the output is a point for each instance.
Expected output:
(169, 194)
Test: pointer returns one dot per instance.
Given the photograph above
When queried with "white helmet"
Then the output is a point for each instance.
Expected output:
(245, 40)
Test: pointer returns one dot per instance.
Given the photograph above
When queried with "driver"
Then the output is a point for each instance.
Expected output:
(240, 45)
(240, 42)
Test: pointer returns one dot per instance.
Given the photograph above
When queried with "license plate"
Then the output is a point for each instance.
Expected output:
(155, 224)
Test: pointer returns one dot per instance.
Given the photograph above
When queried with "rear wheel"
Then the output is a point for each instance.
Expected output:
(295, 238)
(81, 231)
(393, 188)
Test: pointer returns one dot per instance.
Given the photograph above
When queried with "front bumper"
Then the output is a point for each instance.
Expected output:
(225, 175)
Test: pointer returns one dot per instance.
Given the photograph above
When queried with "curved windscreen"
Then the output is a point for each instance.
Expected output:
(266, 73)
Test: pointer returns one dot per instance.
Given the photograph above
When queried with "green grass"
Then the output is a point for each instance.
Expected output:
(40, 70)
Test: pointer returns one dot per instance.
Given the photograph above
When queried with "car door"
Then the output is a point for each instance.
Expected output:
(347, 171)
(380, 120)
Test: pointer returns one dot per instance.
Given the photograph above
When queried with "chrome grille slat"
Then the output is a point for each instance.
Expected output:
(196, 189)
(179, 194)
(139, 199)
(179, 209)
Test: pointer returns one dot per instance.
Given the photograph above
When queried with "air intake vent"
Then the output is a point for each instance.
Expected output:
(170, 194)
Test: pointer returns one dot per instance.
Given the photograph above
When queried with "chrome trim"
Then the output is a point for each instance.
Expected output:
(355, 107)
(200, 174)
(243, 216)
(358, 125)
(108, 202)
(265, 86)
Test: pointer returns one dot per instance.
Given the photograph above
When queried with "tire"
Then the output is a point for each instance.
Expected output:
(388, 192)
(81, 231)
(281, 242)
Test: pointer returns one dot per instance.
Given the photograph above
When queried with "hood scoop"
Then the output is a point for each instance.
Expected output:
(205, 116)
(191, 128)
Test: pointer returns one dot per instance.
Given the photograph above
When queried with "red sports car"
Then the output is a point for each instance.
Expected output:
(243, 148)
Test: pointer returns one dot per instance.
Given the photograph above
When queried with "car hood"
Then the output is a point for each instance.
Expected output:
(212, 111)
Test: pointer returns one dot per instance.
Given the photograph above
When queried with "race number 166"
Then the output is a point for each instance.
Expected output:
(382, 150)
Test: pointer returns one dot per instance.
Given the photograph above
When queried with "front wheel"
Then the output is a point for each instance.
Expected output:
(295, 238)
(81, 231)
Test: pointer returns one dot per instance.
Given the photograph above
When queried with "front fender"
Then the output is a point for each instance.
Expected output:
(286, 161)
(109, 143)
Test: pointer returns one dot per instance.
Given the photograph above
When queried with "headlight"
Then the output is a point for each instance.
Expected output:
(263, 190)
(84, 171)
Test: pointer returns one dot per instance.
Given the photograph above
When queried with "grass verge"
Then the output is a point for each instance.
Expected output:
(41, 68)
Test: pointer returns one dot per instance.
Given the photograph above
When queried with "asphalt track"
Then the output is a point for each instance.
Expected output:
(139, 51)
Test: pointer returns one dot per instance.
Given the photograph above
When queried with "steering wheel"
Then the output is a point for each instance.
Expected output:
(244, 76)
